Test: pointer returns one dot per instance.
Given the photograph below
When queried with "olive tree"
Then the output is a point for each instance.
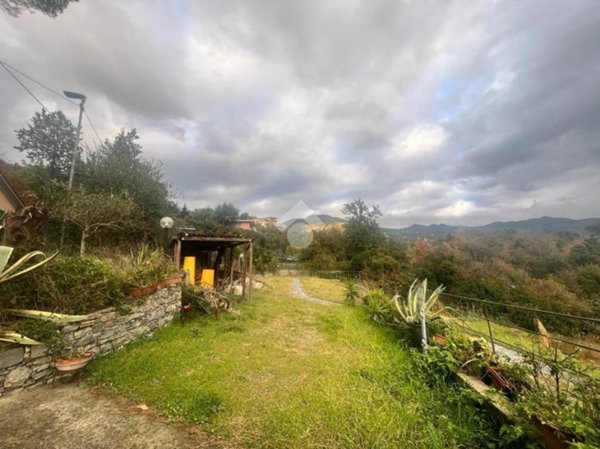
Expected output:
(92, 212)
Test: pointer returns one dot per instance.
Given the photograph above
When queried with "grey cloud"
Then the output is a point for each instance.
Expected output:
(267, 103)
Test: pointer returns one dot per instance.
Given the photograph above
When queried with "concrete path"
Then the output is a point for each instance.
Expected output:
(298, 291)
(72, 417)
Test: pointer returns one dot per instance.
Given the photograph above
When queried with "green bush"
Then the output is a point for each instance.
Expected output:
(67, 285)
(379, 306)
(76, 285)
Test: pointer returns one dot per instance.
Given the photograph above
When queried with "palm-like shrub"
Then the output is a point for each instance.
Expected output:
(352, 293)
(410, 307)
(379, 306)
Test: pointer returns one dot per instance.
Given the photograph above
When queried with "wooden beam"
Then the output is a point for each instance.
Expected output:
(238, 240)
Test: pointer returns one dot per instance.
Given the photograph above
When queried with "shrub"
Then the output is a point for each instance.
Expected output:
(68, 285)
(352, 293)
(379, 306)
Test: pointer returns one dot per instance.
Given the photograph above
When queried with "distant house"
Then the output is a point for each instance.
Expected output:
(250, 224)
(10, 200)
(246, 225)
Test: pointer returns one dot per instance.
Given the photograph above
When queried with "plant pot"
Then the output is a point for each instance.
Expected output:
(439, 339)
(73, 364)
(178, 279)
(139, 292)
(552, 436)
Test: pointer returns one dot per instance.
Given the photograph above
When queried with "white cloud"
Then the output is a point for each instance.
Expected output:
(419, 141)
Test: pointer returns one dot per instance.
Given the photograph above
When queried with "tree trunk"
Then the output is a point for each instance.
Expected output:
(84, 236)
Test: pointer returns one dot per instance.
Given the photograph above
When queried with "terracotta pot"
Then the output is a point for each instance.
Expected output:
(73, 364)
(439, 339)
(178, 279)
(147, 290)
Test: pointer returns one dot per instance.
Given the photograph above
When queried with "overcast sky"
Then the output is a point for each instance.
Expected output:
(459, 112)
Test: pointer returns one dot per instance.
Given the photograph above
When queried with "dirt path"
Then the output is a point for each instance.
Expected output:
(298, 291)
(72, 417)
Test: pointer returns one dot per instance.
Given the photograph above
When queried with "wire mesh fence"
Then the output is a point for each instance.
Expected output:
(516, 331)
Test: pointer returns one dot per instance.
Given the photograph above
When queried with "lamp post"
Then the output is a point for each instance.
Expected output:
(167, 223)
(81, 98)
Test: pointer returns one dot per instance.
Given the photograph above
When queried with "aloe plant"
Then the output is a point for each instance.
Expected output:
(13, 271)
(410, 307)
(57, 318)
(14, 337)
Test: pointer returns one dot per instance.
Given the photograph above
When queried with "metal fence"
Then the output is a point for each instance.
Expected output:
(529, 329)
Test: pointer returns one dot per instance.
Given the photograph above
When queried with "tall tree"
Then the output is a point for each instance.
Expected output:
(117, 167)
(48, 143)
(362, 232)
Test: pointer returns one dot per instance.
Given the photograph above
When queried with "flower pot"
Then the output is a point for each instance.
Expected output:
(439, 339)
(139, 292)
(73, 364)
(178, 279)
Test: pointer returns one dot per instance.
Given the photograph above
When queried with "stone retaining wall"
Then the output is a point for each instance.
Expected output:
(106, 330)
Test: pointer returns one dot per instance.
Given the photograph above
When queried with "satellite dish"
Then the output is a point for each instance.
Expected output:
(166, 222)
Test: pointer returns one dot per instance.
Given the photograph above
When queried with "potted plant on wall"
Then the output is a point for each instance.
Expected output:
(415, 304)
(73, 361)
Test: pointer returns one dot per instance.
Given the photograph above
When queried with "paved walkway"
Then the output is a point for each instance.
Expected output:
(72, 417)
(298, 291)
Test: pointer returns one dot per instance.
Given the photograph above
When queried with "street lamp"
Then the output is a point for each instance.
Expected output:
(166, 223)
(81, 98)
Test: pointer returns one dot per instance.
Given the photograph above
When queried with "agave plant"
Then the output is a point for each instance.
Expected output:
(410, 307)
(12, 272)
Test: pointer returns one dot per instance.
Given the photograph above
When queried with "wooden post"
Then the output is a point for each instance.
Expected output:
(243, 268)
(231, 267)
(177, 254)
(216, 266)
(250, 266)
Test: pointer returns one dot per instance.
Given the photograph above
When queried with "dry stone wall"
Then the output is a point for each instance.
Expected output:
(106, 330)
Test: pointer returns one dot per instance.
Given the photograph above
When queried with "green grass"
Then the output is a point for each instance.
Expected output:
(286, 373)
(328, 289)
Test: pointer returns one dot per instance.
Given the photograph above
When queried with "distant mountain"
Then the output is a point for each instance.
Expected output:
(543, 224)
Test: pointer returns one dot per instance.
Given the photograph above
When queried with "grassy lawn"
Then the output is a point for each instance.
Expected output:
(328, 289)
(286, 373)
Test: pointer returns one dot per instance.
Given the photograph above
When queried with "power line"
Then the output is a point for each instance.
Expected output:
(93, 127)
(49, 89)
(24, 87)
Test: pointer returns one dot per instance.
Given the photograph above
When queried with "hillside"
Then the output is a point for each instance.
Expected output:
(543, 224)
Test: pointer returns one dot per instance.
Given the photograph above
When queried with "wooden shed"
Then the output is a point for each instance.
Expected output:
(218, 253)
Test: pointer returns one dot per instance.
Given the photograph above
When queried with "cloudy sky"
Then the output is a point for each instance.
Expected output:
(462, 112)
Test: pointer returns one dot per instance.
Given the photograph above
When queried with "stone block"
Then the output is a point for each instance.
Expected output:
(38, 368)
(41, 360)
(11, 357)
(83, 332)
(17, 377)
(38, 351)
(70, 328)
(87, 323)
